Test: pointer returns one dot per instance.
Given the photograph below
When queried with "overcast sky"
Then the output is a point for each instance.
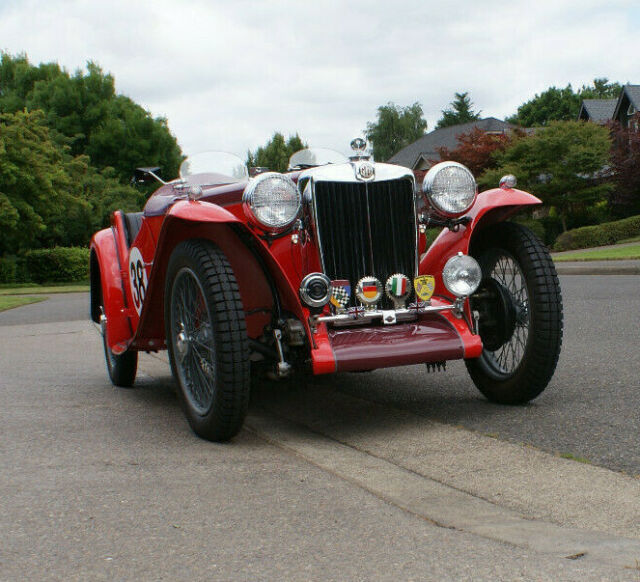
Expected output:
(227, 74)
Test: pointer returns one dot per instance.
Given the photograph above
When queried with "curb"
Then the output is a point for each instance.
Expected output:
(598, 268)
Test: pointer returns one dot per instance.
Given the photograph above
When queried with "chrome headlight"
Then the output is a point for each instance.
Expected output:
(450, 188)
(461, 275)
(272, 200)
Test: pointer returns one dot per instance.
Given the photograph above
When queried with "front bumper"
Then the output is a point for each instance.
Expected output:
(435, 335)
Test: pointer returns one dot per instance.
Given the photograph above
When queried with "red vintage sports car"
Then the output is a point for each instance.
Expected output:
(319, 270)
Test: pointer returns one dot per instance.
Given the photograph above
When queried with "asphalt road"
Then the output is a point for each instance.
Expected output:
(590, 410)
(99, 483)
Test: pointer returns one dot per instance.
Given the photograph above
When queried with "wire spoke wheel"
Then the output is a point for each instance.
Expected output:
(207, 339)
(191, 324)
(508, 273)
(521, 317)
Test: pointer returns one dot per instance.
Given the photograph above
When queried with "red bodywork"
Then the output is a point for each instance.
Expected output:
(218, 216)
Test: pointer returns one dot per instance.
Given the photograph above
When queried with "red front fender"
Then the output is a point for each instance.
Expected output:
(204, 220)
(492, 206)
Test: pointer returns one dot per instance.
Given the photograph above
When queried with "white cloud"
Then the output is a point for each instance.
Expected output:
(227, 75)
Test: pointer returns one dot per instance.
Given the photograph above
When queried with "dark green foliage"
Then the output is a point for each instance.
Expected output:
(48, 197)
(395, 128)
(607, 233)
(58, 265)
(83, 111)
(9, 270)
(562, 104)
(561, 164)
(461, 111)
(68, 147)
(276, 153)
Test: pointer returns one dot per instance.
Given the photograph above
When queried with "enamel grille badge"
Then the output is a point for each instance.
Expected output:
(369, 291)
(340, 294)
(425, 286)
(398, 289)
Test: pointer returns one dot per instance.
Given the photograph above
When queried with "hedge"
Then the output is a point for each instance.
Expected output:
(607, 233)
(57, 265)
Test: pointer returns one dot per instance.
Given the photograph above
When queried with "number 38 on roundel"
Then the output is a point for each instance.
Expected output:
(321, 269)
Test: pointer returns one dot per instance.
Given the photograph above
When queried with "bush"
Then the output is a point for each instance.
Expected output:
(607, 233)
(58, 265)
(13, 270)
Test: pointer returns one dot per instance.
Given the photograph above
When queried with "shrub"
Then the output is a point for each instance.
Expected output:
(607, 233)
(13, 270)
(58, 265)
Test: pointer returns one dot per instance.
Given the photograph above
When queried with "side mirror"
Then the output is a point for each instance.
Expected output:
(147, 175)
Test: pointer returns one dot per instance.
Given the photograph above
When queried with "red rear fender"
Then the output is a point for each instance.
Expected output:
(107, 289)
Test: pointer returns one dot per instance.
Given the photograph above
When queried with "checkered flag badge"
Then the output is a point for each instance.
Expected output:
(340, 293)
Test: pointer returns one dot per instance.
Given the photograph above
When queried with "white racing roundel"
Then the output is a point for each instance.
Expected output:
(137, 278)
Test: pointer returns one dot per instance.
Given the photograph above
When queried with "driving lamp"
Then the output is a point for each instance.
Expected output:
(461, 275)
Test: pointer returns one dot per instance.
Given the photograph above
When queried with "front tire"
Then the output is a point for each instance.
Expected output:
(207, 339)
(521, 318)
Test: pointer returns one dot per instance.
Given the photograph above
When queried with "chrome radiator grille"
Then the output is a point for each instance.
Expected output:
(366, 229)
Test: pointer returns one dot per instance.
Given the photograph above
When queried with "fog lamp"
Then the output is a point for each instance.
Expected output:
(461, 275)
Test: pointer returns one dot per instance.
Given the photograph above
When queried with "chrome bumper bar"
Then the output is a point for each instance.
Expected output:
(359, 316)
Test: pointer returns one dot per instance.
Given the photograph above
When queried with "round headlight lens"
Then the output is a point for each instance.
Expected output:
(450, 188)
(272, 200)
(462, 275)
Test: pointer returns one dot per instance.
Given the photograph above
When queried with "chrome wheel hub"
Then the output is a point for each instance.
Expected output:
(182, 345)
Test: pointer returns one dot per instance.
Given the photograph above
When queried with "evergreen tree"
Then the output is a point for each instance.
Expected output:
(461, 111)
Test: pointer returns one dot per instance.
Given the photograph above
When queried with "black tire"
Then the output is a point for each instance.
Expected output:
(521, 317)
(121, 369)
(207, 339)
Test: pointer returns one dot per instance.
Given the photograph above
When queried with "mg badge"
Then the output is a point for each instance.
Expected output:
(398, 289)
(369, 291)
(424, 286)
(365, 171)
(340, 294)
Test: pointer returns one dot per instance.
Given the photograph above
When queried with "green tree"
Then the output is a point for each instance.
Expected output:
(395, 128)
(47, 196)
(601, 88)
(276, 152)
(562, 104)
(84, 112)
(561, 164)
(461, 111)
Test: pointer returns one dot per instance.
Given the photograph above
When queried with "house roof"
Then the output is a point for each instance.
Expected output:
(630, 93)
(598, 110)
(426, 146)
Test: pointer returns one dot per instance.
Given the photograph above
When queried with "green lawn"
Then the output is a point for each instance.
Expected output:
(611, 253)
(43, 289)
(11, 301)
